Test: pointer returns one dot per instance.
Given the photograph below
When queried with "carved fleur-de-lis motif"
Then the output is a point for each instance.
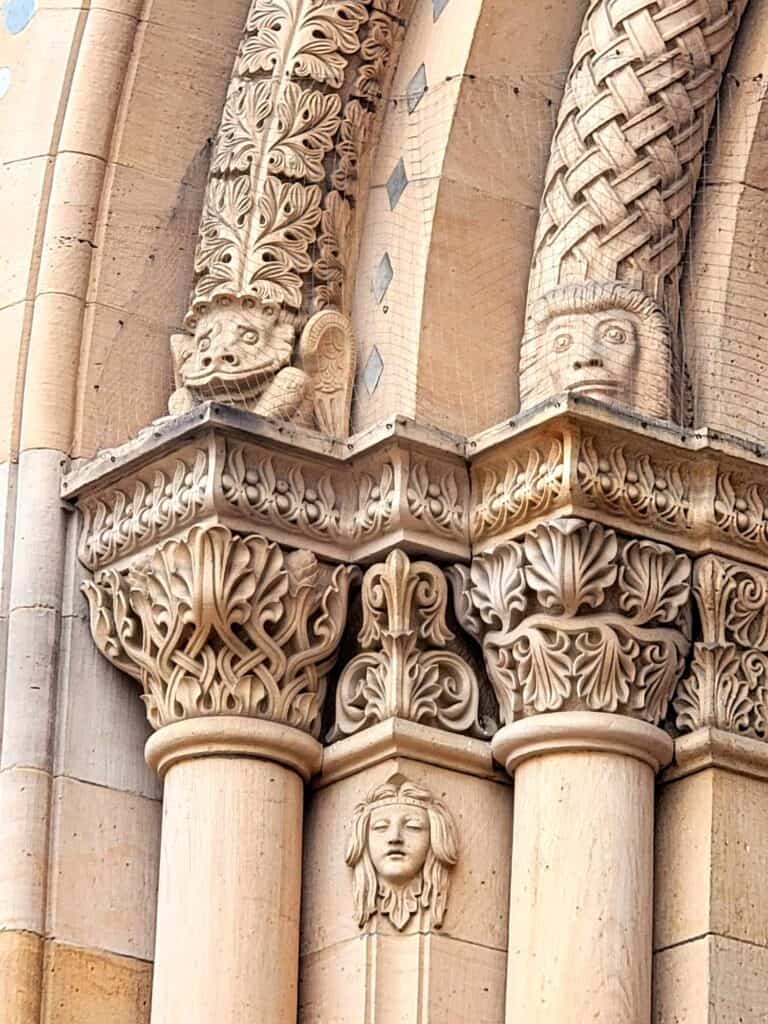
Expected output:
(406, 669)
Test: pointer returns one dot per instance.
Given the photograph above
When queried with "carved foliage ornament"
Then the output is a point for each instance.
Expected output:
(407, 669)
(728, 684)
(574, 617)
(216, 624)
(401, 850)
(278, 212)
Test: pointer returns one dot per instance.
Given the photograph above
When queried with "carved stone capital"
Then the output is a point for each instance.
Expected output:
(218, 624)
(727, 687)
(406, 668)
(575, 617)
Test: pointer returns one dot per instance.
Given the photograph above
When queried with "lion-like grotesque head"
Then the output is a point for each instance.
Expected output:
(237, 349)
(608, 341)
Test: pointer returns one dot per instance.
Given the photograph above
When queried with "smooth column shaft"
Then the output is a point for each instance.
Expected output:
(582, 890)
(229, 894)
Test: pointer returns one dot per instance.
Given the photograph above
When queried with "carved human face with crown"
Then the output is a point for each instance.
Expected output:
(401, 850)
(237, 349)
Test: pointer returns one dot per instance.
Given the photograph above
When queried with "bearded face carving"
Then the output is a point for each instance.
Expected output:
(241, 354)
(402, 848)
(607, 341)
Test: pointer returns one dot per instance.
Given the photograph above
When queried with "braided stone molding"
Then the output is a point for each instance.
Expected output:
(407, 669)
(575, 617)
(728, 683)
(216, 624)
(622, 175)
(278, 217)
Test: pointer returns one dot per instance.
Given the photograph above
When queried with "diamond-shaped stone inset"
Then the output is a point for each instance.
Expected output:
(373, 370)
(438, 6)
(397, 183)
(383, 277)
(414, 92)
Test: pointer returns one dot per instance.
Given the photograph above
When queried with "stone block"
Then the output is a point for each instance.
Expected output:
(70, 226)
(86, 987)
(13, 319)
(479, 887)
(23, 185)
(403, 979)
(21, 964)
(683, 859)
(681, 984)
(102, 722)
(99, 78)
(41, 53)
(30, 688)
(24, 810)
(40, 530)
(104, 864)
(52, 363)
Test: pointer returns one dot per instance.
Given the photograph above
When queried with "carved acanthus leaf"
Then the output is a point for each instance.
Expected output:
(406, 669)
(514, 491)
(435, 498)
(574, 617)
(219, 624)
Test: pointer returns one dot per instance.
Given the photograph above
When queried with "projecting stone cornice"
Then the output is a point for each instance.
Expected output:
(402, 484)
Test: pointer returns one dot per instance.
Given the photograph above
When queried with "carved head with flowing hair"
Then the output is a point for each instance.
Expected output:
(605, 340)
(402, 846)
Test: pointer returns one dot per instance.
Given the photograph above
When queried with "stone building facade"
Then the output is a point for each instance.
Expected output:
(384, 512)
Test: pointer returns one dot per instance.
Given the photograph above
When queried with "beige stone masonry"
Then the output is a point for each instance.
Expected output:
(414, 971)
(710, 933)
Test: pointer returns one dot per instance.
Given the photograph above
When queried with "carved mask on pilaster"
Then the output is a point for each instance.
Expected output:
(402, 848)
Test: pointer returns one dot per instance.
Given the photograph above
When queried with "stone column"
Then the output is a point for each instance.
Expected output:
(584, 635)
(231, 640)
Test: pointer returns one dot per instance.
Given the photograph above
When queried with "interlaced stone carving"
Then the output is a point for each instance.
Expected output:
(402, 848)
(728, 683)
(623, 171)
(217, 624)
(278, 213)
(575, 617)
(407, 668)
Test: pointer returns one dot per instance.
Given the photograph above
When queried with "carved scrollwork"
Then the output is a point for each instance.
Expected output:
(436, 498)
(406, 669)
(375, 502)
(284, 495)
(741, 510)
(117, 523)
(575, 617)
(634, 485)
(216, 624)
(514, 491)
(728, 683)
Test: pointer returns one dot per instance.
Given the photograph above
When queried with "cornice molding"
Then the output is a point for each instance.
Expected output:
(435, 494)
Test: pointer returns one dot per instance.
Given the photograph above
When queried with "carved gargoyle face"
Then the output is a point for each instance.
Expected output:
(398, 842)
(236, 350)
(593, 353)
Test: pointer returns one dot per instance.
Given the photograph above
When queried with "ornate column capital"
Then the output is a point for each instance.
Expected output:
(575, 617)
(216, 624)
(411, 665)
(727, 687)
